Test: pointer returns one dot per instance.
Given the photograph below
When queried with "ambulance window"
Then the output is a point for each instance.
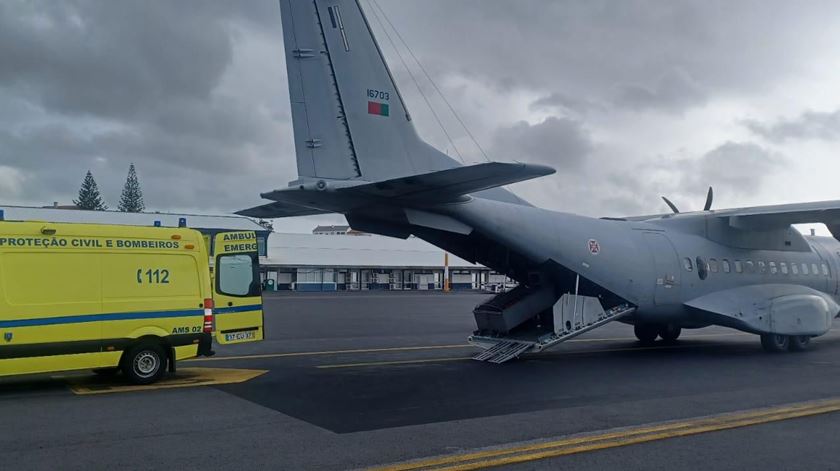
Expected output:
(236, 275)
(725, 265)
(687, 264)
(713, 265)
(815, 270)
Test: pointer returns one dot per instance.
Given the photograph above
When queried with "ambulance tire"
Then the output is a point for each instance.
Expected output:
(144, 363)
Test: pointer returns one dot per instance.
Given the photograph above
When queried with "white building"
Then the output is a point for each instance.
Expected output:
(326, 260)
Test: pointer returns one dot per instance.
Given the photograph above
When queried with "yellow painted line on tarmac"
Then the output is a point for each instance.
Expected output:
(558, 353)
(395, 362)
(330, 352)
(183, 378)
(258, 356)
(618, 438)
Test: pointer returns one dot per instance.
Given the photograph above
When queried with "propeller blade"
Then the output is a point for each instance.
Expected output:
(709, 197)
(671, 205)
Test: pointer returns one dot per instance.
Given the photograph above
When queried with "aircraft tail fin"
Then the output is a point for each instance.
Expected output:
(350, 121)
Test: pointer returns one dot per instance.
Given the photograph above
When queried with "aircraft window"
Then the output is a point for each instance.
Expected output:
(762, 267)
(773, 269)
(739, 268)
(725, 265)
(783, 268)
(702, 268)
(815, 270)
(804, 268)
(794, 268)
(713, 265)
(749, 266)
(687, 264)
(824, 269)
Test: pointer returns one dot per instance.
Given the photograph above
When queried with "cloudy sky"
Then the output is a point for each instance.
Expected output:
(628, 100)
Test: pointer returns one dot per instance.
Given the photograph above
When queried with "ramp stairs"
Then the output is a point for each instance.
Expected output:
(500, 349)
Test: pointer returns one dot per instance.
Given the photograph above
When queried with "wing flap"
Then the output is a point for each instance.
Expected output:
(278, 209)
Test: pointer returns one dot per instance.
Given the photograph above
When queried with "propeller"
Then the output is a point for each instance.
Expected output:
(709, 197)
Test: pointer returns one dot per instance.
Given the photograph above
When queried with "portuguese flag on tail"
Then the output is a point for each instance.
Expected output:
(377, 108)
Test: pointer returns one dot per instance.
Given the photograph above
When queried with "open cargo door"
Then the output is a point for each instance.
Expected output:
(236, 288)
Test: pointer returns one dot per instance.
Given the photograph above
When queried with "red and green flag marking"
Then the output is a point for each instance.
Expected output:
(377, 108)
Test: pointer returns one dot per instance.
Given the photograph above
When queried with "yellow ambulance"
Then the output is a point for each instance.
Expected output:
(121, 298)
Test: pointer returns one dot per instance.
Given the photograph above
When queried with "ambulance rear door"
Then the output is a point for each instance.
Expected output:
(237, 292)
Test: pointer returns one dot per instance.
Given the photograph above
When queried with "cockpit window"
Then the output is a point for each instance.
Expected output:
(824, 269)
(749, 266)
(725, 265)
(773, 269)
(713, 265)
(738, 266)
(687, 264)
(783, 268)
(804, 268)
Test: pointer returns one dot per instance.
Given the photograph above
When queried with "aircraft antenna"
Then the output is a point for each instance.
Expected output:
(416, 82)
(429, 78)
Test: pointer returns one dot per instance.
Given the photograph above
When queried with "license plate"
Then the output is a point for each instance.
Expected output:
(236, 336)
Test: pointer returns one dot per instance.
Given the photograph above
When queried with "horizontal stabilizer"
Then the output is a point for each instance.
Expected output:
(447, 184)
(342, 196)
(278, 209)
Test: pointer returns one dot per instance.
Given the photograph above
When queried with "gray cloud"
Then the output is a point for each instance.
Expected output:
(560, 142)
(674, 92)
(808, 125)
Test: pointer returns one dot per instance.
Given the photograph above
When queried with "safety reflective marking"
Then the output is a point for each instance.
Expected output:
(617, 438)
(183, 378)
(114, 316)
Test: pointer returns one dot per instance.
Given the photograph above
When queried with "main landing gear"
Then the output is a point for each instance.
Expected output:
(647, 333)
(779, 343)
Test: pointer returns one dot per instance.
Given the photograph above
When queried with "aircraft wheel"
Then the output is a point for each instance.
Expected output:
(670, 332)
(799, 343)
(775, 343)
(646, 333)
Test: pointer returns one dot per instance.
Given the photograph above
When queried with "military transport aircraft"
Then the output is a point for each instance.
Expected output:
(358, 154)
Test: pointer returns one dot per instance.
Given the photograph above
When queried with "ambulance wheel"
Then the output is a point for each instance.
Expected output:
(775, 343)
(799, 343)
(144, 363)
(670, 332)
(646, 333)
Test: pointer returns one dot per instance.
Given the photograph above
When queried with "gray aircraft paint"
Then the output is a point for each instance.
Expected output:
(356, 159)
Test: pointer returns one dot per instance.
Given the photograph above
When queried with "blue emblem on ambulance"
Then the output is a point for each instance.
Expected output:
(7, 336)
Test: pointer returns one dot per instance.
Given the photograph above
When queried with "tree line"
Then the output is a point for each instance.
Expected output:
(131, 199)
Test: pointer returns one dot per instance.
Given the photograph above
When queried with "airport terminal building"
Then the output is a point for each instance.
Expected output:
(331, 258)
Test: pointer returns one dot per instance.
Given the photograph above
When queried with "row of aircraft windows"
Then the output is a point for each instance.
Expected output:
(747, 266)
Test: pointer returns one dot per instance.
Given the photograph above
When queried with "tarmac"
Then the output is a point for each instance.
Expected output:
(385, 380)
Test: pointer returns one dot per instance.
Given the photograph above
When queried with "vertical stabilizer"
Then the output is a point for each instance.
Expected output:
(350, 121)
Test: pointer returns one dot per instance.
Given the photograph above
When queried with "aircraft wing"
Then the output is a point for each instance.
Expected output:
(773, 217)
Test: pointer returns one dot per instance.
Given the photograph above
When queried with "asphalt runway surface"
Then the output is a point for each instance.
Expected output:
(359, 380)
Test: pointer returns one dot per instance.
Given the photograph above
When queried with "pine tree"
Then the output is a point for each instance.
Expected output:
(89, 197)
(131, 200)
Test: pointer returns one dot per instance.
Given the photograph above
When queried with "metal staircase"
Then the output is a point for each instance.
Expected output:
(504, 351)
(586, 314)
